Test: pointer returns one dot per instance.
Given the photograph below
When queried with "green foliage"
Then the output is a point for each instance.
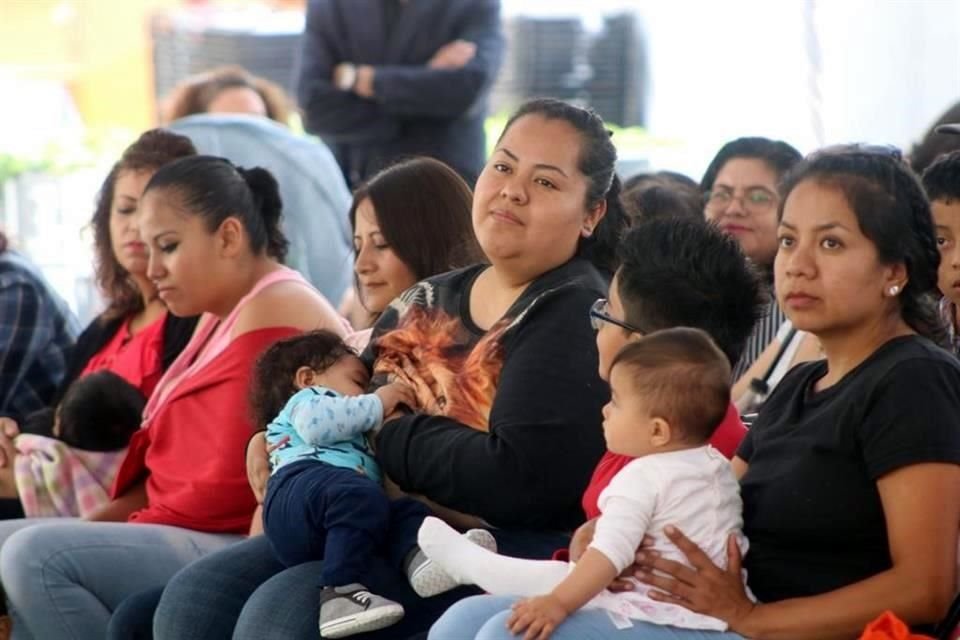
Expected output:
(62, 156)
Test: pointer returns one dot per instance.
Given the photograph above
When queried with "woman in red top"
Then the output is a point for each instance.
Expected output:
(215, 249)
(134, 337)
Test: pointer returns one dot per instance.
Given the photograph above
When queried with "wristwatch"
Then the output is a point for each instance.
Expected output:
(347, 77)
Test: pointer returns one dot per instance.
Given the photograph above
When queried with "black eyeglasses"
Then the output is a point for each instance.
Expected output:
(599, 313)
(757, 200)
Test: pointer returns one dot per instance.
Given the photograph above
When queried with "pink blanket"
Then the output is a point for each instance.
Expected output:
(55, 480)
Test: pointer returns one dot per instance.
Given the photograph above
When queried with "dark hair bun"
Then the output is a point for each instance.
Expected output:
(266, 199)
(265, 191)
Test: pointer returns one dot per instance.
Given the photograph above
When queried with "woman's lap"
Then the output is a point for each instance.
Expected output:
(485, 618)
(63, 579)
(10, 527)
(133, 618)
(244, 593)
(287, 605)
(204, 599)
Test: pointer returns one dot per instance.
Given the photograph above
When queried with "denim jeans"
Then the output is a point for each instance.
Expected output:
(317, 511)
(63, 578)
(485, 618)
(133, 618)
(244, 593)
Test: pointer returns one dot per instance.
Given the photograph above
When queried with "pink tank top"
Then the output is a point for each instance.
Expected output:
(209, 340)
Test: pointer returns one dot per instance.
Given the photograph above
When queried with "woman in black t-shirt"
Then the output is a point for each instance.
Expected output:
(851, 475)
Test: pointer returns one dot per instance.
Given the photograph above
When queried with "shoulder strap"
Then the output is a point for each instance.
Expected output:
(760, 385)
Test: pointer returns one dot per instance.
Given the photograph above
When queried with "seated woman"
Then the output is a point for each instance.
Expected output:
(740, 195)
(134, 337)
(517, 393)
(851, 476)
(410, 221)
(215, 249)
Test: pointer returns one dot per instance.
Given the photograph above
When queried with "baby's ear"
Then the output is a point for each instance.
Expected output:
(304, 377)
(662, 432)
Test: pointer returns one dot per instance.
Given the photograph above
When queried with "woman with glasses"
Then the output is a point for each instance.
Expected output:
(741, 198)
(501, 354)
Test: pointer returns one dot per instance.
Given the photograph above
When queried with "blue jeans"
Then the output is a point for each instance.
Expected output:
(485, 618)
(133, 618)
(316, 511)
(245, 593)
(64, 578)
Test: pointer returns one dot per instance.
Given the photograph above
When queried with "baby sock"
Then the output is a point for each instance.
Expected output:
(471, 564)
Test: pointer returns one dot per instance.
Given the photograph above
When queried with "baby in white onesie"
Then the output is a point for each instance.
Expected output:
(670, 390)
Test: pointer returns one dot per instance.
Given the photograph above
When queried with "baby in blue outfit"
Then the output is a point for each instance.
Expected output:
(324, 498)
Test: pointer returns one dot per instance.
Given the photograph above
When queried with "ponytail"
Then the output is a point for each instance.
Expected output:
(601, 247)
(266, 199)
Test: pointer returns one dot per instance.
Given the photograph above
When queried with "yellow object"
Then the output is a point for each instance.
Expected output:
(100, 49)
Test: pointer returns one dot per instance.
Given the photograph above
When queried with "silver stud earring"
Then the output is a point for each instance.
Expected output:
(894, 290)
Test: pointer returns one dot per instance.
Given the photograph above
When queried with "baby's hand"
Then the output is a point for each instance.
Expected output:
(394, 394)
(539, 617)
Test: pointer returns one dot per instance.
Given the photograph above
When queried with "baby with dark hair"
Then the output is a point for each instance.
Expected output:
(670, 390)
(324, 498)
(70, 474)
(99, 412)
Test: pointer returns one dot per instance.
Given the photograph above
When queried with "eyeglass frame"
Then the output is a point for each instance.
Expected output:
(597, 312)
(742, 198)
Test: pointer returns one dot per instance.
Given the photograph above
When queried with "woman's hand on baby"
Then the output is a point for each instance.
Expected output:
(539, 616)
(705, 588)
(8, 431)
(395, 394)
(8, 453)
(581, 539)
(258, 464)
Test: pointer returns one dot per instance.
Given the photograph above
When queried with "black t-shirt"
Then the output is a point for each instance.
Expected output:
(812, 510)
(519, 430)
